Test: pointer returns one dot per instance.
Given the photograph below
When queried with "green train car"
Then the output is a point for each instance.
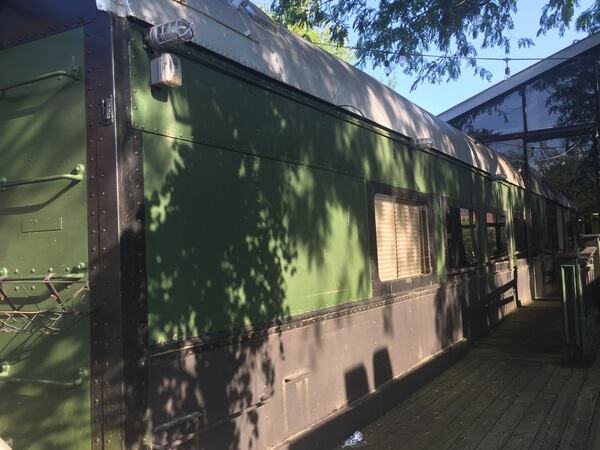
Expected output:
(216, 236)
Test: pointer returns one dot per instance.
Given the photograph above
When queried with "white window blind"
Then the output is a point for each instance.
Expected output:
(402, 239)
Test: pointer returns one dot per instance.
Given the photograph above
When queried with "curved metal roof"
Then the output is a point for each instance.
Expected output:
(238, 30)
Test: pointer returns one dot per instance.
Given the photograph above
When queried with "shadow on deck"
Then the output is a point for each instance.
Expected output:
(514, 389)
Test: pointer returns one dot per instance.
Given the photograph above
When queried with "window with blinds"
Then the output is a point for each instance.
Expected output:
(402, 238)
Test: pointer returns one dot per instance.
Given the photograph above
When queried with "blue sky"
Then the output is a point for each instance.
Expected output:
(438, 98)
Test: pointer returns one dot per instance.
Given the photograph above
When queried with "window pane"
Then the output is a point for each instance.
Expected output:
(551, 241)
(512, 150)
(501, 116)
(520, 227)
(408, 238)
(402, 238)
(469, 235)
(538, 225)
(385, 229)
(563, 97)
(461, 237)
(496, 234)
(566, 164)
(569, 232)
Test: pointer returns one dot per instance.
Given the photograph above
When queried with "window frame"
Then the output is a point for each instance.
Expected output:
(551, 211)
(401, 285)
(504, 256)
(520, 214)
(478, 250)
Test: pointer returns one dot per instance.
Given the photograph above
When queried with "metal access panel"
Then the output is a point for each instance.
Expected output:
(44, 295)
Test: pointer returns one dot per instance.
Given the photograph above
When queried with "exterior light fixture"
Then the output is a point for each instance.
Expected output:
(165, 67)
(423, 143)
(169, 35)
(497, 177)
(165, 71)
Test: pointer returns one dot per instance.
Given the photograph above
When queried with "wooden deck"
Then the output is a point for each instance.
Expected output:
(513, 390)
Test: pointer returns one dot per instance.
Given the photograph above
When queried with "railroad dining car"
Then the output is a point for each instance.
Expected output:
(215, 235)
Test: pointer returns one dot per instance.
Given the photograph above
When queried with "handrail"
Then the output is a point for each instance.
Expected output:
(68, 277)
(81, 373)
(74, 74)
(76, 175)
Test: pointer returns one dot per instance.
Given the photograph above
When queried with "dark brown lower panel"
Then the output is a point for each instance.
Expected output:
(257, 393)
(314, 385)
(335, 429)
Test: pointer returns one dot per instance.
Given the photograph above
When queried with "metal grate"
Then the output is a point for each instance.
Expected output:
(29, 317)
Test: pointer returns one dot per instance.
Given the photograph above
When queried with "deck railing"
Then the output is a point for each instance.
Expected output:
(580, 277)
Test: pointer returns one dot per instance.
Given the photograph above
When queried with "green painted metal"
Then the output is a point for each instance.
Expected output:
(218, 109)
(256, 198)
(73, 73)
(44, 386)
(76, 175)
(234, 240)
(570, 276)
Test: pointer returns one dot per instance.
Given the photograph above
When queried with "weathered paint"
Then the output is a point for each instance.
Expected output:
(235, 240)
(279, 185)
(42, 132)
(256, 209)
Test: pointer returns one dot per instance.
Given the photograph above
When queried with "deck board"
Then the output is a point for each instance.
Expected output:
(551, 431)
(502, 430)
(513, 390)
(478, 429)
(486, 387)
(532, 420)
(582, 414)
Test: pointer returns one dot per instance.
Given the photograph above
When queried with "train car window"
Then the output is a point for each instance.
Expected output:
(551, 241)
(520, 230)
(461, 238)
(537, 227)
(496, 235)
(402, 238)
(570, 227)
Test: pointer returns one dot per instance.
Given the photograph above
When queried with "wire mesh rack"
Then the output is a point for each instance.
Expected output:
(29, 316)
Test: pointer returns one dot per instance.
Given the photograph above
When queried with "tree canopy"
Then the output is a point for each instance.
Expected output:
(320, 37)
(393, 33)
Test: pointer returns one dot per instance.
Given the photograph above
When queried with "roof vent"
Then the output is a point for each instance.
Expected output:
(423, 143)
(257, 14)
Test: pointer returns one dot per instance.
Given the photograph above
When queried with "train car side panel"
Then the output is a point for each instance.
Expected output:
(44, 317)
(235, 240)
